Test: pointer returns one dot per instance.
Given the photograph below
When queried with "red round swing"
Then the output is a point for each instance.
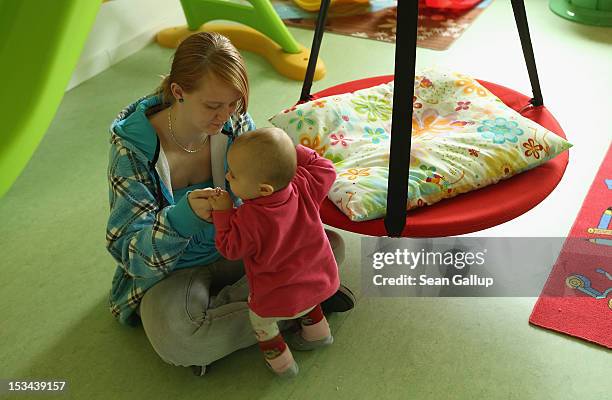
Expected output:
(469, 212)
(473, 211)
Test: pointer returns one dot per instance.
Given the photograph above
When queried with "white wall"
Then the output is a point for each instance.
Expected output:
(122, 28)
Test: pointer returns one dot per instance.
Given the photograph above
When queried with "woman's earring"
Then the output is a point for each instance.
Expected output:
(181, 100)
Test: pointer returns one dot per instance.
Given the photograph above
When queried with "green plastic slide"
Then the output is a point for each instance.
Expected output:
(40, 44)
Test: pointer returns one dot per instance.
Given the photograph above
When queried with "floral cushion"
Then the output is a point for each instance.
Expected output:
(463, 138)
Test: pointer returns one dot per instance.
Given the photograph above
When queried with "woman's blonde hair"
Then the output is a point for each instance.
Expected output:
(200, 54)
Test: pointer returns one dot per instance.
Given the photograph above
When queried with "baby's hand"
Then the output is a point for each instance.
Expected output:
(221, 201)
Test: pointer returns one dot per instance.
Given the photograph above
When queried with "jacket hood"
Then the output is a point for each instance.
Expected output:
(133, 126)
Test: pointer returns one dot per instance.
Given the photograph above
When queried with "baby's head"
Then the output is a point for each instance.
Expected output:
(260, 163)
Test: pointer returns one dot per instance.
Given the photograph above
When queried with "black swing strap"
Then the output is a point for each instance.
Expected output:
(401, 122)
(520, 16)
(314, 51)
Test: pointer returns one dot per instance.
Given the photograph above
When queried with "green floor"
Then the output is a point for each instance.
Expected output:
(55, 272)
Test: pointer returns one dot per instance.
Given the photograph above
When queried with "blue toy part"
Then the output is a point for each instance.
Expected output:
(604, 222)
(583, 284)
(603, 228)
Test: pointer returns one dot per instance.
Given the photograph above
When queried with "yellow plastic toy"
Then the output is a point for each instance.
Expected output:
(265, 33)
(315, 5)
(292, 66)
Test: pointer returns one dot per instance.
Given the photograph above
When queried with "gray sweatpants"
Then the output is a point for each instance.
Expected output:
(198, 315)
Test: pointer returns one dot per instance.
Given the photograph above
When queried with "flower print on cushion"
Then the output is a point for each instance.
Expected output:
(463, 138)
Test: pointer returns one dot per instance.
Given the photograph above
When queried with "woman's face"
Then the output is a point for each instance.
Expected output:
(211, 104)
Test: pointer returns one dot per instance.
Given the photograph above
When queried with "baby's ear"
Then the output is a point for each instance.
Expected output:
(265, 189)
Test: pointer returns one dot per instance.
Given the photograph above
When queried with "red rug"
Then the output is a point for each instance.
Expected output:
(577, 298)
(437, 29)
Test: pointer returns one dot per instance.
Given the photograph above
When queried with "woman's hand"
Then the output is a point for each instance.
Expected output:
(221, 201)
(200, 204)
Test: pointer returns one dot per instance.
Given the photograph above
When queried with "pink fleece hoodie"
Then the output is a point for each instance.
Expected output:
(287, 256)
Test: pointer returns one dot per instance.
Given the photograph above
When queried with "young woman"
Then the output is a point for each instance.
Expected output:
(170, 276)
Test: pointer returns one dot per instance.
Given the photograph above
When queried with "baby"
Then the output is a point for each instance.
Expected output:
(278, 234)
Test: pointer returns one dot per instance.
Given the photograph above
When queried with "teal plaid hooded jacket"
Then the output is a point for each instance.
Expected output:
(147, 232)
